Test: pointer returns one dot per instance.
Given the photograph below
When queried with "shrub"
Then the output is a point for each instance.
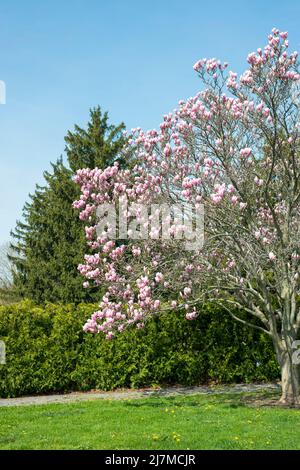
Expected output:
(47, 351)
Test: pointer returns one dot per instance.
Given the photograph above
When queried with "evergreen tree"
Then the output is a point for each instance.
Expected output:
(50, 240)
(97, 146)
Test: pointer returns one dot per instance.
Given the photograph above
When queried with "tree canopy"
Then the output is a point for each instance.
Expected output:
(234, 150)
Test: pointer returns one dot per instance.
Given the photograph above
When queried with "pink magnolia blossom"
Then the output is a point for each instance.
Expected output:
(159, 277)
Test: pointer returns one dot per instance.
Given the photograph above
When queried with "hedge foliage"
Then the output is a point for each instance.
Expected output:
(47, 351)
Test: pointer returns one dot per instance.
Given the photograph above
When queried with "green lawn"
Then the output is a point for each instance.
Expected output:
(193, 422)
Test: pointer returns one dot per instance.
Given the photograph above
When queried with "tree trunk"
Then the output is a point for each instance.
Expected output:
(290, 378)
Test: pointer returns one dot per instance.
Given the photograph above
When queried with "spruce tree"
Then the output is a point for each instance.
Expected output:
(49, 242)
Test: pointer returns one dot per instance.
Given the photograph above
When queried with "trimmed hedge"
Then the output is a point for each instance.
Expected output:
(47, 351)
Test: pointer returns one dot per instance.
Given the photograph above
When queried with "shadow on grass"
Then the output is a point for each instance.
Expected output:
(231, 400)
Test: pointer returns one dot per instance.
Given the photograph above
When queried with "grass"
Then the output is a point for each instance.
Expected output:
(225, 421)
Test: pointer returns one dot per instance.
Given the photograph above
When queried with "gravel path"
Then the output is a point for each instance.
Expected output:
(128, 393)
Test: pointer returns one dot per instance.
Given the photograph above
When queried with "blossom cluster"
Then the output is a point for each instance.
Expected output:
(233, 147)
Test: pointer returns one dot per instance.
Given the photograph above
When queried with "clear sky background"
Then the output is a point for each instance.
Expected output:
(132, 57)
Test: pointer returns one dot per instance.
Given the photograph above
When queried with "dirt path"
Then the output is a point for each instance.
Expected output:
(128, 393)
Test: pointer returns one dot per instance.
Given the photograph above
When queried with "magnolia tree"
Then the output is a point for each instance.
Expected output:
(234, 149)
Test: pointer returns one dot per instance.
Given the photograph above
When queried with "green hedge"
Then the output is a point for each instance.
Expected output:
(46, 351)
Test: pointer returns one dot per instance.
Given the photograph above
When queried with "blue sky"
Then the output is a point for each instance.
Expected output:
(134, 58)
